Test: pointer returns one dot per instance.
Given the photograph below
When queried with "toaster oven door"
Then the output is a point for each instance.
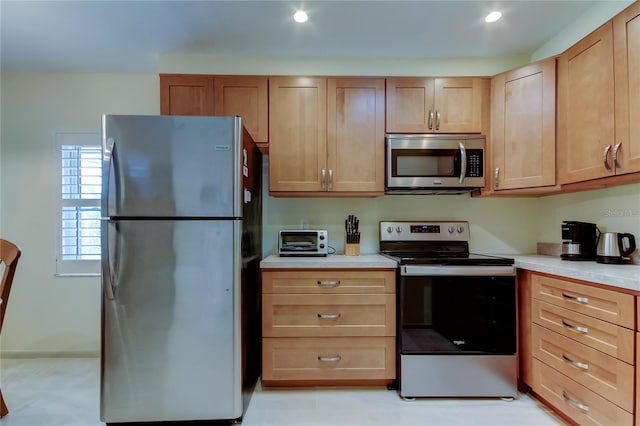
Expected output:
(298, 243)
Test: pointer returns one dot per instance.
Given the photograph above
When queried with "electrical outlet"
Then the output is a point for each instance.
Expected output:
(304, 223)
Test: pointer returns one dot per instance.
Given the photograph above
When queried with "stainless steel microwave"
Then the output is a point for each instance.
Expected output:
(434, 163)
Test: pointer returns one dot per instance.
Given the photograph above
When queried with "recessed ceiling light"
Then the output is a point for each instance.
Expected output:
(300, 16)
(493, 16)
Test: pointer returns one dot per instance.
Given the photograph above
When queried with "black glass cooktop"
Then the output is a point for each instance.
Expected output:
(449, 259)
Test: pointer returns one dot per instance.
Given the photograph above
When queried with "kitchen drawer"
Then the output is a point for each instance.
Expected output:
(328, 281)
(314, 315)
(607, 305)
(603, 374)
(606, 337)
(576, 401)
(332, 358)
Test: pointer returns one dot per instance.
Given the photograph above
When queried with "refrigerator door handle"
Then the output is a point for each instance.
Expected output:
(108, 278)
(109, 162)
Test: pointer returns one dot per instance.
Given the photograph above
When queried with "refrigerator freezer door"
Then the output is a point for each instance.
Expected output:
(171, 166)
(170, 321)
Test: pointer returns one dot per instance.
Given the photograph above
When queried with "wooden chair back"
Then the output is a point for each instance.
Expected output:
(9, 255)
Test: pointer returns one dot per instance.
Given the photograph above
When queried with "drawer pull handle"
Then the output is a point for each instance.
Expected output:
(578, 364)
(332, 283)
(576, 298)
(328, 316)
(577, 328)
(329, 358)
(576, 404)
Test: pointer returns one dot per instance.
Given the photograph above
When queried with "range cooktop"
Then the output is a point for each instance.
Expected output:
(432, 243)
(470, 259)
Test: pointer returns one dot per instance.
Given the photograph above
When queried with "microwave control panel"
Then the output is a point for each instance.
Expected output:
(475, 166)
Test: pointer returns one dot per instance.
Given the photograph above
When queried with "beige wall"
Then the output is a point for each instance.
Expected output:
(49, 315)
(497, 225)
(612, 210)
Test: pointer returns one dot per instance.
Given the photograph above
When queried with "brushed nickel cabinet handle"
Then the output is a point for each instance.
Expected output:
(332, 283)
(580, 299)
(580, 365)
(575, 403)
(577, 328)
(496, 177)
(330, 179)
(324, 179)
(329, 316)
(604, 158)
(430, 120)
(329, 358)
(616, 148)
(437, 120)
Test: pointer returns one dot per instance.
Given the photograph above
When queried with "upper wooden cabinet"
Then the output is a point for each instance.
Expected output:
(523, 137)
(326, 136)
(434, 105)
(586, 107)
(186, 95)
(298, 134)
(355, 134)
(626, 45)
(599, 97)
(245, 96)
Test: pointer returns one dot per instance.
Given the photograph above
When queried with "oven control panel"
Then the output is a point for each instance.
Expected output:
(424, 231)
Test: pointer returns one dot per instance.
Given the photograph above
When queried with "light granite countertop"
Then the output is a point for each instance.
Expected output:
(365, 261)
(621, 276)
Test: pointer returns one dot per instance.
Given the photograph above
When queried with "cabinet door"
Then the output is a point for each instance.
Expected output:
(298, 141)
(524, 127)
(626, 33)
(186, 94)
(410, 105)
(525, 348)
(246, 97)
(586, 107)
(355, 134)
(458, 105)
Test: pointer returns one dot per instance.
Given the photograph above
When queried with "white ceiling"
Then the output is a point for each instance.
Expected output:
(128, 36)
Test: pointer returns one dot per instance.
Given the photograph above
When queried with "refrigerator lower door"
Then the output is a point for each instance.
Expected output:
(170, 321)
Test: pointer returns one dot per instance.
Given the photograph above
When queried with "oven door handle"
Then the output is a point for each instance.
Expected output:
(452, 270)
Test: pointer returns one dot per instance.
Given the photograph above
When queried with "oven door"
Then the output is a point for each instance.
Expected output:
(457, 314)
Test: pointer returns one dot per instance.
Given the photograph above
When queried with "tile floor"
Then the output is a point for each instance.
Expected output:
(64, 392)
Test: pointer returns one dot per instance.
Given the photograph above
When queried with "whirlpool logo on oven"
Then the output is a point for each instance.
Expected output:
(459, 342)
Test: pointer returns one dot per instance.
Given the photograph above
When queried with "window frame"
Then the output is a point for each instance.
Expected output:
(76, 267)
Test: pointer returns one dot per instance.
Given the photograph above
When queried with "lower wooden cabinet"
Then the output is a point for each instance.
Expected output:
(577, 402)
(328, 327)
(606, 375)
(301, 315)
(328, 358)
(606, 337)
(579, 348)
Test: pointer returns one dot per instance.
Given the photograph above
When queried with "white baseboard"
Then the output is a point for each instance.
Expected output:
(49, 354)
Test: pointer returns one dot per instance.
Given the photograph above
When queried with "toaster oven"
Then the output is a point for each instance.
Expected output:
(302, 242)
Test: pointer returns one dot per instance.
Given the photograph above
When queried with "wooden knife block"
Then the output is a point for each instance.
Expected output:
(352, 249)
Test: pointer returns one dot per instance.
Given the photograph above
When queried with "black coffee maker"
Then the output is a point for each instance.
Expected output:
(579, 240)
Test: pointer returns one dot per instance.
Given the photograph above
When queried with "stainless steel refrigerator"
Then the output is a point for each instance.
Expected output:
(181, 247)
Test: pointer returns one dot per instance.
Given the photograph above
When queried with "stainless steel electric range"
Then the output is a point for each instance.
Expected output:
(456, 313)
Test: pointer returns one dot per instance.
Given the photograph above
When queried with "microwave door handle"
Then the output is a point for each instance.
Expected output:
(463, 162)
